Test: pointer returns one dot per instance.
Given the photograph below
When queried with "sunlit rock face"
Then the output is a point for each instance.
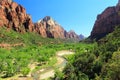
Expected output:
(14, 16)
(47, 27)
(106, 22)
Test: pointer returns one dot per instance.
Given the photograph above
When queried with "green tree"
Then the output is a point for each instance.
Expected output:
(111, 71)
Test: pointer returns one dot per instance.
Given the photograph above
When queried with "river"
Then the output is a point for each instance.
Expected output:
(61, 62)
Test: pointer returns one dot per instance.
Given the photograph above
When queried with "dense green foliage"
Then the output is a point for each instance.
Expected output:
(96, 61)
(100, 63)
(15, 60)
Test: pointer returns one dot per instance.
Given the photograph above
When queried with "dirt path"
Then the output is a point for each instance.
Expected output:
(47, 74)
(61, 62)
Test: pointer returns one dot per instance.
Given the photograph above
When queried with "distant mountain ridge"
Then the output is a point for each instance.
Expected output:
(106, 22)
(48, 27)
(14, 16)
(81, 37)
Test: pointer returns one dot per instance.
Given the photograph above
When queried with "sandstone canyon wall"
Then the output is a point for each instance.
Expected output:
(14, 16)
(106, 22)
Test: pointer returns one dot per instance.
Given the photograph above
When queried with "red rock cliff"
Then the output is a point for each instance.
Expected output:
(47, 27)
(106, 22)
(14, 16)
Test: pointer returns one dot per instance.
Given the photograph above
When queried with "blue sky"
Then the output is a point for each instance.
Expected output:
(77, 15)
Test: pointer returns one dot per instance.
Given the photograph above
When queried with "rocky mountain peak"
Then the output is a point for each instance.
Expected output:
(48, 27)
(14, 16)
(71, 31)
(72, 34)
(81, 37)
(49, 20)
